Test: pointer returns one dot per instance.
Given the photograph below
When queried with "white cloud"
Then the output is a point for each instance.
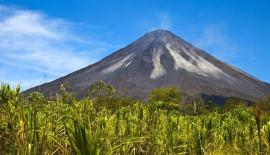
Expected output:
(26, 23)
(32, 42)
(163, 21)
(214, 39)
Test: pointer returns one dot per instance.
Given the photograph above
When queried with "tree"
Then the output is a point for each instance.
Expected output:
(264, 104)
(233, 102)
(102, 95)
(165, 94)
(100, 90)
(8, 94)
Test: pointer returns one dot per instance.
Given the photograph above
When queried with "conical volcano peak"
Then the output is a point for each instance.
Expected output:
(160, 32)
(161, 59)
(160, 35)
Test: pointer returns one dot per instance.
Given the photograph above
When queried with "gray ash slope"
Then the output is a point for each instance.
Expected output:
(161, 59)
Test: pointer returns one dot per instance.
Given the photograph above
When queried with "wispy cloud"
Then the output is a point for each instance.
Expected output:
(163, 21)
(35, 43)
(215, 40)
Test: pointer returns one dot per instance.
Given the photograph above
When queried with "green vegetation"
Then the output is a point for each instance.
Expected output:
(104, 124)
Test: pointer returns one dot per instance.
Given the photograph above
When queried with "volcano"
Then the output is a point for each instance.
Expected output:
(162, 59)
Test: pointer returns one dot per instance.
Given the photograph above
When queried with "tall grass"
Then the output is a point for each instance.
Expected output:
(35, 125)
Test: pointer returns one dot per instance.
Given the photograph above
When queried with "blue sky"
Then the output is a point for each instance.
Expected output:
(43, 40)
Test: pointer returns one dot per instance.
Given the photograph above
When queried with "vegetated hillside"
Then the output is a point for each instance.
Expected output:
(104, 124)
(161, 59)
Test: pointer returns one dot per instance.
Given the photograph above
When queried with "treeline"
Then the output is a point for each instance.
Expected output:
(102, 123)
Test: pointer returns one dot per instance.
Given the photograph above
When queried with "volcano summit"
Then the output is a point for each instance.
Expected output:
(161, 59)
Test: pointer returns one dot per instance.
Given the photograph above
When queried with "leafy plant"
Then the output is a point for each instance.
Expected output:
(107, 124)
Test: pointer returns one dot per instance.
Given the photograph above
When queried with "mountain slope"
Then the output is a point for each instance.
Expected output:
(159, 59)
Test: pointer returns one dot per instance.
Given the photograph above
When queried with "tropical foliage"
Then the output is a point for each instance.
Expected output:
(104, 124)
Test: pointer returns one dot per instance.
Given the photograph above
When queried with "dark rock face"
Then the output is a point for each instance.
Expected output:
(160, 59)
